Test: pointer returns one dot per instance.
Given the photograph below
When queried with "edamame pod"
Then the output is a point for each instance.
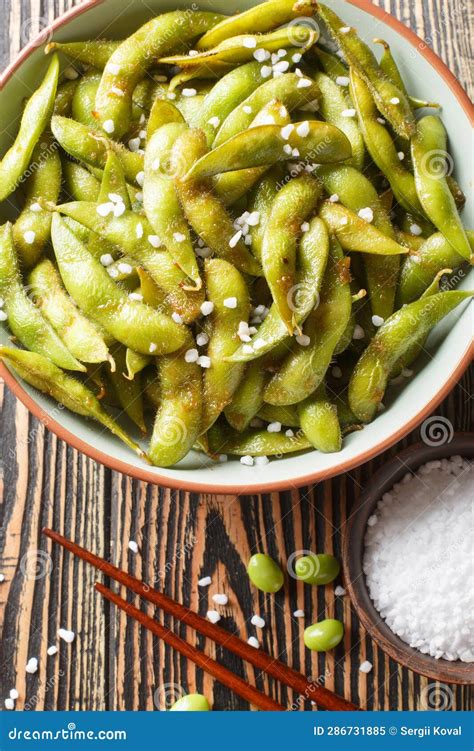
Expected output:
(334, 106)
(191, 703)
(81, 185)
(83, 101)
(391, 101)
(161, 202)
(135, 362)
(113, 184)
(24, 319)
(284, 88)
(356, 234)
(39, 372)
(94, 53)
(262, 18)
(369, 378)
(381, 147)
(390, 68)
(64, 96)
(204, 211)
(298, 199)
(34, 120)
(248, 397)
(320, 422)
(227, 290)
(420, 268)
(357, 193)
(129, 321)
(32, 228)
(127, 392)
(91, 146)
(133, 57)
(313, 256)
(304, 368)
(261, 202)
(428, 146)
(81, 336)
(240, 49)
(162, 113)
(178, 421)
(230, 186)
(266, 144)
(135, 235)
(224, 440)
(287, 415)
(227, 94)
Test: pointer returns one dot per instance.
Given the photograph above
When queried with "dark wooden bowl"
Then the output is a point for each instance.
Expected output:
(352, 554)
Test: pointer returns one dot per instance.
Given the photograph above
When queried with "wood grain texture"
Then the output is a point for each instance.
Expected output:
(113, 664)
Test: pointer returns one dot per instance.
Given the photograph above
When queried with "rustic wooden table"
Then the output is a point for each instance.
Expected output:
(113, 664)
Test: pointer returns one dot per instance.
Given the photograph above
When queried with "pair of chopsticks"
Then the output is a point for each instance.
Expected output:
(256, 657)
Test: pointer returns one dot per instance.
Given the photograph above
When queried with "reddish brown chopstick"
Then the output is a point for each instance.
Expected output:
(219, 672)
(257, 657)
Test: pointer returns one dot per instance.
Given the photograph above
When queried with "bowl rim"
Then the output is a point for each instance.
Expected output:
(180, 483)
(409, 459)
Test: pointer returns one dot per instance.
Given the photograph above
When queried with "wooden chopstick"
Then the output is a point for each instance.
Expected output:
(257, 657)
(219, 672)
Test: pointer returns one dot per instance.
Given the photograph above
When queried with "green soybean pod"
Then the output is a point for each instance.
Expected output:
(82, 338)
(34, 120)
(231, 186)
(129, 321)
(324, 635)
(32, 228)
(261, 201)
(259, 442)
(298, 199)
(161, 202)
(355, 191)
(320, 422)
(420, 267)
(24, 319)
(64, 96)
(287, 415)
(227, 291)
(391, 100)
(43, 375)
(356, 234)
(284, 88)
(333, 106)
(428, 145)
(248, 397)
(162, 113)
(80, 184)
(135, 363)
(317, 569)
(204, 211)
(311, 265)
(265, 573)
(265, 145)
(305, 366)
(91, 146)
(130, 61)
(227, 93)
(191, 703)
(393, 339)
(178, 421)
(83, 101)
(93, 53)
(134, 234)
(262, 18)
(127, 392)
(240, 49)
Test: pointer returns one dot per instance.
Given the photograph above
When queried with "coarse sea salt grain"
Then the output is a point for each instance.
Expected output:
(418, 559)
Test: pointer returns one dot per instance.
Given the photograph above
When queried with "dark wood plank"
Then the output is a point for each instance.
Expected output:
(113, 664)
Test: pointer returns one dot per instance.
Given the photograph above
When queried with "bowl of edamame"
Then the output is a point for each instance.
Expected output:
(233, 253)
